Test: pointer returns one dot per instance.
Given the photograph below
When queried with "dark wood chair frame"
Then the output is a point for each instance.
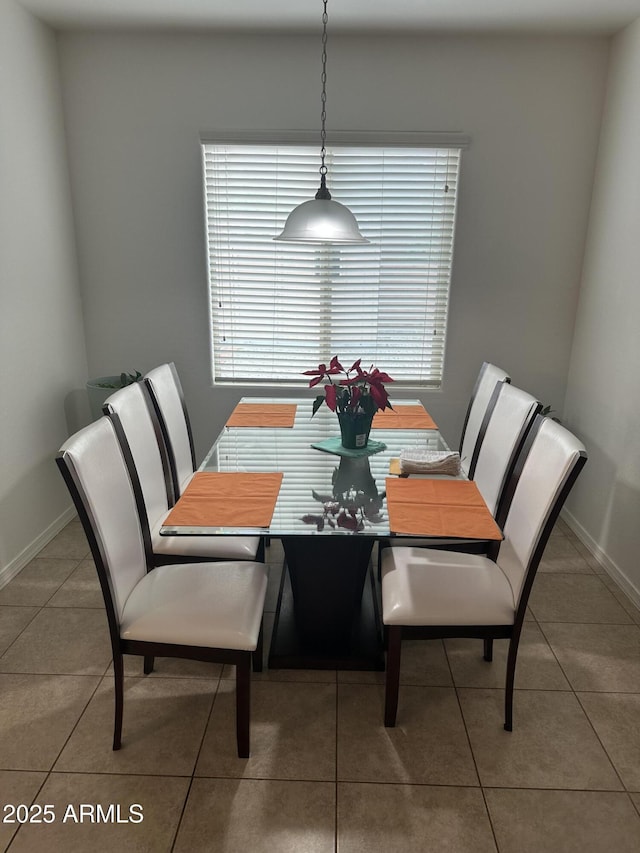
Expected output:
(488, 633)
(242, 660)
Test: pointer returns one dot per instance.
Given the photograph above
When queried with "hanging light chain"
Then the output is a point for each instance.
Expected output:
(323, 78)
(323, 192)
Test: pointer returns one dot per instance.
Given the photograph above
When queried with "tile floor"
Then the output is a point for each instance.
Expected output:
(325, 776)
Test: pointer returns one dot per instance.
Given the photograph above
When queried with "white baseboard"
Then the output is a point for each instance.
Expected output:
(33, 548)
(610, 567)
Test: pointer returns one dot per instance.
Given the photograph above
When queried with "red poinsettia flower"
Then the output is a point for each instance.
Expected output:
(359, 392)
(330, 396)
(323, 370)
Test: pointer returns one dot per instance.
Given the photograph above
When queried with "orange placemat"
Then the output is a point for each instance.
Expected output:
(263, 415)
(404, 417)
(226, 499)
(449, 508)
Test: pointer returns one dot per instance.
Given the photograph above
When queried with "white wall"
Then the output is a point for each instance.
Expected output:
(603, 393)
(42, 352)
(136, 103)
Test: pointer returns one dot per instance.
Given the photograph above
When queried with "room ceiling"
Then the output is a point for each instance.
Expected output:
(564, 16)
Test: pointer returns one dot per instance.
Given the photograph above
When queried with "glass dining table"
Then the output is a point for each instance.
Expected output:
(330, 511)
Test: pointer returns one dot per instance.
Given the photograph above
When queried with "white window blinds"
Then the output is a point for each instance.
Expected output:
(278, 309)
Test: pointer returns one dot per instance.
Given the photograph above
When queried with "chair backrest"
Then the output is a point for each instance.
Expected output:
(93, 466)
(508, 419)
(545, 472)
(130, 410)
(167, 398)
(485, 383)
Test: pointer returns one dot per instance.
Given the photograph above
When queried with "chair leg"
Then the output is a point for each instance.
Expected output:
(118, 672)
(260, 555)
(511, 672)
(148, 664)
(392, 681)
(243, 704)
(258, 654)
(488, 648)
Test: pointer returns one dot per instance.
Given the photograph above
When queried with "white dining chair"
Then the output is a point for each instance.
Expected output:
(439, 594)
(485, 384)
(131, 411)
(182, 610)
(167, 397)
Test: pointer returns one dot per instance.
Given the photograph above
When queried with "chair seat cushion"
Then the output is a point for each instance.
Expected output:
(430, 587)
(207, 547)
(198, 604)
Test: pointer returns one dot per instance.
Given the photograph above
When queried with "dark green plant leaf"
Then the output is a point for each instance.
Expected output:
(317, 403)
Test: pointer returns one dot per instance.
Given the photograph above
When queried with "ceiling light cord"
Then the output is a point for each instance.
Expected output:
(323, 192)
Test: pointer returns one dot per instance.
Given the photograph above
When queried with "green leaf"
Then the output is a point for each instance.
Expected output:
(317, 403)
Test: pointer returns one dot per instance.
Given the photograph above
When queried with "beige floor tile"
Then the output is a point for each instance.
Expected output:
(81, 589)
(597, 657)
(172, 668)
(412, 818)
(13, 620)
(428, 745)
(37, 714)
(37, 582)
(590, 558)
(632, 609)
(423, 662)
(16, 787)
(302, 676)
(61, 640)
(164, 721)
(561, 555)
(567, 821)
(255, 816)
(563, 528)
(70, 544)
(158, 800)
(574, 598)
(537, 668)
(552, 744)
(293, 733)
(616, 719)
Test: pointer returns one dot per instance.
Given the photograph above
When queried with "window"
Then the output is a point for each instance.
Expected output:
(278, 309)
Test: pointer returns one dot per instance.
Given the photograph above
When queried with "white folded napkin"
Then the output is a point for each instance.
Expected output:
(430, 462)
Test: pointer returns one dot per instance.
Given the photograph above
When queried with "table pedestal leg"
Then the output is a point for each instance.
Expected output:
(327, 615)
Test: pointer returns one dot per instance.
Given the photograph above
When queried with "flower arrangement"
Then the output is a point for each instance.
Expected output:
(360, 392)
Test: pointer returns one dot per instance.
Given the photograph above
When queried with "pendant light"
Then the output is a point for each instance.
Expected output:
(322, 220)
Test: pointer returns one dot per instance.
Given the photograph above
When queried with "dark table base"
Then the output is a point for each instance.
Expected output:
(327, 615)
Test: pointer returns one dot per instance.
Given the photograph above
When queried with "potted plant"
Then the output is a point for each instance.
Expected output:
(355, 398)
(104, 386)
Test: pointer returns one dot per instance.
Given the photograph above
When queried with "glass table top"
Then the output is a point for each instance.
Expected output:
(321, 493)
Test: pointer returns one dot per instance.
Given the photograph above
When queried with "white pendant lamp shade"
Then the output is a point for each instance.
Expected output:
(321, 221)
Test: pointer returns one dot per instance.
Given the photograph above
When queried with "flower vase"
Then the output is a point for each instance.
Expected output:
(354, 430)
